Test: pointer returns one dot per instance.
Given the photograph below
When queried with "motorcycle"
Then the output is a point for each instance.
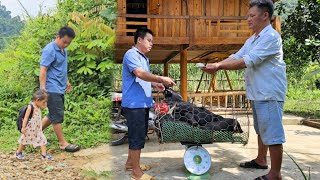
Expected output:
(119, 123)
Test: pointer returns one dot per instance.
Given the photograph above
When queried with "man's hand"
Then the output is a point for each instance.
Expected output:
(68, 88)
(211, 68)
(168, 82)
(159, 86)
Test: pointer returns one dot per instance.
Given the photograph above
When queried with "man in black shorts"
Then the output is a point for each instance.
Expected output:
(137, 98)
(54, 79)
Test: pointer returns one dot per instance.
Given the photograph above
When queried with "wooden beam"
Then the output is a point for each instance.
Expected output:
(166, 69)
(220, 40)
(160, 47)
(183, 73)
(215, 47)
(182, 17)
(214, 56)
(200, 56)
(222, 18)
(171, 56)
(156, 40)
(226, 93)
(132, 23)
(152, 16)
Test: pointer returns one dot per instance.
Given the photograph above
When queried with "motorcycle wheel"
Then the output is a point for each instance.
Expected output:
(120, 138)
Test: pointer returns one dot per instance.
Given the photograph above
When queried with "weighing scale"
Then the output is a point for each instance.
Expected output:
(197, 161)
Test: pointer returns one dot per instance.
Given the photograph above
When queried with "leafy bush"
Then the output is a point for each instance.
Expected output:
(86, 121)
(301, 37)
(88, 105)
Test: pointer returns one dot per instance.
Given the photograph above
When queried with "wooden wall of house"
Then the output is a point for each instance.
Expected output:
(195, 18)
(213, 9)
(203, 15)
(201, 7)
(173, 21)
(218, 7)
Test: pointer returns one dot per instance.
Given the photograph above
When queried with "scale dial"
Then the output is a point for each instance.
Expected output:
(197, 160)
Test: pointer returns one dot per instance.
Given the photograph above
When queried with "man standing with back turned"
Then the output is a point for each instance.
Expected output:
(54, 79)
(266, 84)
(137, 98)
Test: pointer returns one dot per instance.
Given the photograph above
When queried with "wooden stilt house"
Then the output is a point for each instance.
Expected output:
(185, 31)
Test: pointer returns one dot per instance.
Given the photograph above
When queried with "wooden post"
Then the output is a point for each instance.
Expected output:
(277, 24)
(229, 82)
(166, 69)
(183, 73)
(213, 83)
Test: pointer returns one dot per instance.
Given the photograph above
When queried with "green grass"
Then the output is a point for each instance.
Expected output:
(9, 140)
(86, 123)
(91, 174)
(304, 103)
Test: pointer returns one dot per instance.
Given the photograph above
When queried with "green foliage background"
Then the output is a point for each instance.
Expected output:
(9, 26)
(87, 107)
(301, 37)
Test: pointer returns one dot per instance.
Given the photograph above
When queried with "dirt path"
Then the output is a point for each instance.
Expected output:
(32, 167)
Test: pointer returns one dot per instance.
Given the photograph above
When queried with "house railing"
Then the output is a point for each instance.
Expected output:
(188, 29)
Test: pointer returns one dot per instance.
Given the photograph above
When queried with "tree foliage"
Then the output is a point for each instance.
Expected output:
(92, 51)
(90, 60)
(301, 35)
(105, 9)
(9, 26)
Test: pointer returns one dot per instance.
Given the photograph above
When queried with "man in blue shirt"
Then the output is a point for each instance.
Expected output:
(54, 79)
(137, 97)
(266, 85)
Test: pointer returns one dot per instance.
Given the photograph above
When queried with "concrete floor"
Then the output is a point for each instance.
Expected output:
(167, 159)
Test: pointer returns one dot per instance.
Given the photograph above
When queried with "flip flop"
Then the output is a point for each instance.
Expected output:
(71, 148)
(144, 177)
(143, 167)
(264, 177)
(252, 164)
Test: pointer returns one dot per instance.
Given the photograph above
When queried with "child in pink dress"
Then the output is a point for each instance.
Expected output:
(31, 132)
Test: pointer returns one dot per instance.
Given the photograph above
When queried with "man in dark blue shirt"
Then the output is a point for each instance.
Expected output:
(54, 79)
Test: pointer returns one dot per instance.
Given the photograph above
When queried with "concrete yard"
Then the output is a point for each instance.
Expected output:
(167, 159)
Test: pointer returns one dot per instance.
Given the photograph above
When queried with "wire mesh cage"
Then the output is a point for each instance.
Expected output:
(188, 123)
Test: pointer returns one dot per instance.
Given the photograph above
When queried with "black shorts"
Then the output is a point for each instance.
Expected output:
(56, 108)
(137, 121)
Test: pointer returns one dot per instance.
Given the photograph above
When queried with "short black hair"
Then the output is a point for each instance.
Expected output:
(141, 32)
(264, 5)
(66, 31)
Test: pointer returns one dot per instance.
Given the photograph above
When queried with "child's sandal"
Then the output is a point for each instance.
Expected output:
(19, 156)
(47, 157)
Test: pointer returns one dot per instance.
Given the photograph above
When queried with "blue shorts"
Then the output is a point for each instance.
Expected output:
(267, 116)
(137, 121)
(56, 108)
